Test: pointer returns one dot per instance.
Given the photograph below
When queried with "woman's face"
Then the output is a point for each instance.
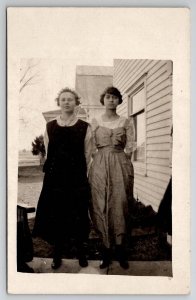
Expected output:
(67, 102)
(111, 101)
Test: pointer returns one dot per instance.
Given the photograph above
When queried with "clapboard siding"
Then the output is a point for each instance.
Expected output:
(131, 77)
(157, 189)
(158, 154)
(158, 110)
(159, 169)
(146, 188)
(158, 132)
(142, 193)
(158, 161)
(166, 91)
(155, 181)
(142, 196)
(158, 139)
(122, 109)
(159, 124)
(158, 81)
(126, 68)
(161, 176)
(160, 147)
(151, 178)
(158, 88)
(158, 71)
(158, 102)
(163, 116)
(158, 64)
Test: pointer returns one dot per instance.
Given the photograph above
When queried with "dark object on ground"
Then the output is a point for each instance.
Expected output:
(164, 215)
(24, 268)
(24, 240)
(141, 215)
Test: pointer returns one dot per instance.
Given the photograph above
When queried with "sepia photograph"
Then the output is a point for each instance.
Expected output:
(93, 167)
(95, 172)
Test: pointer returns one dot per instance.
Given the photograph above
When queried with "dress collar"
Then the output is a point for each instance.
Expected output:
(70, 122)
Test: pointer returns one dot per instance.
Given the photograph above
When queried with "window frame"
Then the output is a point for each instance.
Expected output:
(139, 167)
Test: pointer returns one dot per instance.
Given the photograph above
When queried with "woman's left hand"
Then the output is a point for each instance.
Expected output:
(128, 155)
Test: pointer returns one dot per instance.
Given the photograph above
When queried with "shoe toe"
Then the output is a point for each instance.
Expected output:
(83, 262)
(124, 264)
(104, 264)
(56, 264)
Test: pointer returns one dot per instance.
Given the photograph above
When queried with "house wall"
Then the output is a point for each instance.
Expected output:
(152, 177)
(90, 83)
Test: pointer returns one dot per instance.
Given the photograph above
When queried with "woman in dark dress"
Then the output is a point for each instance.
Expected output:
(62, 211)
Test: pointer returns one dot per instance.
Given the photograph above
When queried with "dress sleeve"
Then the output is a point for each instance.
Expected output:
(94, 126)
(88, 146)
(46, 141)
(130, 136)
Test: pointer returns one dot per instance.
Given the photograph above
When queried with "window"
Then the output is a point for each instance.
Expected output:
(137, 110)
(137, 100)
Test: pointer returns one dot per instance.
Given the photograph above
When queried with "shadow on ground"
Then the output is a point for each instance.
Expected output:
(142, 246)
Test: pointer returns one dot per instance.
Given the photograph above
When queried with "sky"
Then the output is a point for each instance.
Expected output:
(51, 75)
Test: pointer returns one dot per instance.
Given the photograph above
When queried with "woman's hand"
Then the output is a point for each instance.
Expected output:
(128, 155)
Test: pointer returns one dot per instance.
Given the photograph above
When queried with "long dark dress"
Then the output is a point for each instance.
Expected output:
(62, 210)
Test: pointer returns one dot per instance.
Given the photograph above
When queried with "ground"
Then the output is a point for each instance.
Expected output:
(148, 251)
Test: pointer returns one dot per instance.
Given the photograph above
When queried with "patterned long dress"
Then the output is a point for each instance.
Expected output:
(111, 178)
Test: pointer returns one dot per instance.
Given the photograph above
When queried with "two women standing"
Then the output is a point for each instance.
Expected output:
(62, 210)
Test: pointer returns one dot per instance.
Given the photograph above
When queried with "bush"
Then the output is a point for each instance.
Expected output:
(38, 147)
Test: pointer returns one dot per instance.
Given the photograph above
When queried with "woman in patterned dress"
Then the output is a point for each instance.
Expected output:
(62, 211)
(111, 176)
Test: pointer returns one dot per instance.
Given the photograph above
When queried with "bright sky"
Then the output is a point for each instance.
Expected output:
(40, 96)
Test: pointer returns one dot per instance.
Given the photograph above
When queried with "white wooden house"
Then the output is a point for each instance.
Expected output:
(146, 86)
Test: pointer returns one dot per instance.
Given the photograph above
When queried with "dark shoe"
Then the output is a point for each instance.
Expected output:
(56, 263)
(104, 264)
(82, 247)
(106, 258)
(83, 261)
(122, 257)
(124, 264)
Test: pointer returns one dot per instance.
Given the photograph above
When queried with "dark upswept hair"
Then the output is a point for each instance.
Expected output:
(70, 91)
(112, 91)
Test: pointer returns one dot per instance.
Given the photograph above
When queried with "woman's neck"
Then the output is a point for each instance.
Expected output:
(67, 115)
(110, 114)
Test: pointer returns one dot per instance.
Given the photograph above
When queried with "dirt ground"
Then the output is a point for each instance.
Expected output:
(29, 185)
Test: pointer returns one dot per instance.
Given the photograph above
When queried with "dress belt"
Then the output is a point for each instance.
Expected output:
(110, 149)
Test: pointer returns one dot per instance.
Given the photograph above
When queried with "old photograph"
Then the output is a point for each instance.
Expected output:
(94, 172)
(103, 166)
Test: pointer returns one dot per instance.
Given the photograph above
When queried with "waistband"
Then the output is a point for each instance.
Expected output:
(110, 149)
